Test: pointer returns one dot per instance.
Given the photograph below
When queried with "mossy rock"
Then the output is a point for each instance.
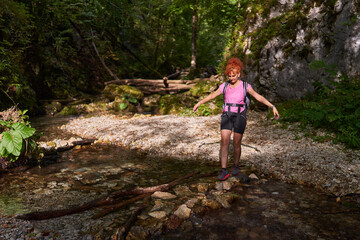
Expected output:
(98, 107)
(204, 87)
(112, 91)
(73, 110)
(170, 104)
(53, 107)
(151, 103)
(121, 104)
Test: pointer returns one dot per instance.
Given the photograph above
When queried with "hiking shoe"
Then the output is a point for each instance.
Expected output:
(235, 170)
(223, 175)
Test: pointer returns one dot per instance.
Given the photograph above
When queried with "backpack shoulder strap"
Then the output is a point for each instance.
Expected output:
(225, 85)
(245, 87)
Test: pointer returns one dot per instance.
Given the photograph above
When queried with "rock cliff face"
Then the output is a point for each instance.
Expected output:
(280, 38)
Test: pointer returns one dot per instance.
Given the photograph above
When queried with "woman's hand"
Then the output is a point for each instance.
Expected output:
(276, 113)
(196, 107)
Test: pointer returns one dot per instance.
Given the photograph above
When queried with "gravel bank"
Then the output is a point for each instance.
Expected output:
(282, 153)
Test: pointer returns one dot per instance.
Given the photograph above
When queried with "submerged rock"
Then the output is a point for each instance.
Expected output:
(158, 214)
(183, 211)
(163, 195)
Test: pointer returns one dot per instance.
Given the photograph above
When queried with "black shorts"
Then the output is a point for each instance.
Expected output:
(236, 121)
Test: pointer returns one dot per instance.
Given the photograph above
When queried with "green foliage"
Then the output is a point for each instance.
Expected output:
(335, 107)
(16, 138)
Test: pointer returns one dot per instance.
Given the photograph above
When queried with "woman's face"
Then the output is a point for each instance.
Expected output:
(233, 77)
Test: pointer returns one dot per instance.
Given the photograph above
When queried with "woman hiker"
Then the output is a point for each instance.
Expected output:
(234, 112)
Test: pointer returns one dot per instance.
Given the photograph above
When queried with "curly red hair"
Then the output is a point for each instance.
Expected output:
(234, 65)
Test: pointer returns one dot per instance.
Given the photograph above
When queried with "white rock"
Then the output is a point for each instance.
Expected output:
(253, 176)
(158, 214)
(163, 195)
(191, 202)
(226, 185)
(183, 211)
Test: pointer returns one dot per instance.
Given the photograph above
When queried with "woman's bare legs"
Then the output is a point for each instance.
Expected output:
(224, 150)
(237, 147)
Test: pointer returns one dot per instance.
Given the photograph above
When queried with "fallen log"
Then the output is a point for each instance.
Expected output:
(66, 148)
(146, 82)
(114, 207)
(108, 200)
(161, 188)
(122, 232)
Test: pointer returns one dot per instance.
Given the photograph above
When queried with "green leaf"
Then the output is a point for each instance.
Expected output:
(13, 144)
(133, 100)
(123, 106)
(20, 129)
(5, 123)
(3, 151)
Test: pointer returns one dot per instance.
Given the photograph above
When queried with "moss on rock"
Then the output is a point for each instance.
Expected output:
(73, 110)
(112, 91)
(151, 103)
(204, 86)
(170, 104)
(121, 104)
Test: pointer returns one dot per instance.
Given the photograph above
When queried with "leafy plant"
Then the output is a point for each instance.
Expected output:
(334, 107)
(17, 137)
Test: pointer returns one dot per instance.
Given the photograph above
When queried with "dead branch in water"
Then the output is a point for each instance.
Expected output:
(108, 200)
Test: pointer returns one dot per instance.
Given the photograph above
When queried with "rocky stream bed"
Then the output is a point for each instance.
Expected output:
(299, 189)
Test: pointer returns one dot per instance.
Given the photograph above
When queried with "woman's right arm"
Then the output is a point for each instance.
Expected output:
(210, 97)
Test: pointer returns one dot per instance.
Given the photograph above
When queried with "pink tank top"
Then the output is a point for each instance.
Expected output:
(234, 95)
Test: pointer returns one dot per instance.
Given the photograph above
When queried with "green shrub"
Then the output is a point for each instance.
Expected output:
(17, 137)
(335, 107)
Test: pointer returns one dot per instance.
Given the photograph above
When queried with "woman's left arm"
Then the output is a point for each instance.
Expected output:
(264, 101)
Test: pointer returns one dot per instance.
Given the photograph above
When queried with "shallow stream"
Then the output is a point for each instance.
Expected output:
(266, 208)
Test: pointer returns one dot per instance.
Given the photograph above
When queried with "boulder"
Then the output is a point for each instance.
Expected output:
(112, 91)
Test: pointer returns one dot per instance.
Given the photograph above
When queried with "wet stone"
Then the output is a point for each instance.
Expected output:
(191, 202)
(182, 191)
(163, 195)
(211, 203)
(183, 211)
(253, 176)
(158, 214)
(173, 222)
(222, 201)
(202, 187)
(137, 232)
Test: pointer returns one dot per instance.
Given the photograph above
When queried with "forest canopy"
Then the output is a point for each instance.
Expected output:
(58, 48)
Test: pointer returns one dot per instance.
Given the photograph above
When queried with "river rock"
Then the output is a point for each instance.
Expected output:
(222, 201)
(163, 195)
(225, 185)
(253, 176)
(112, 90)
(182, 191)
(137, 232)
(158, 214)
(202, 187)
(173, 222)
(191, 202)
(219, 186)
(163, 206)
(211, 203)
(183, 212)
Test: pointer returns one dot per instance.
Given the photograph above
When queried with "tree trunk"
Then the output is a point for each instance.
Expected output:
(194, 36)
